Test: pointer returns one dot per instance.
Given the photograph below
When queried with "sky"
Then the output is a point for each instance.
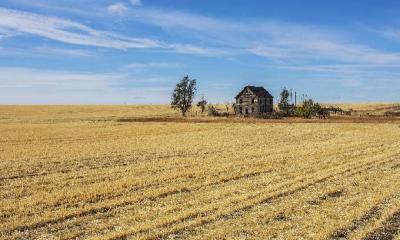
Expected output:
(135, 51)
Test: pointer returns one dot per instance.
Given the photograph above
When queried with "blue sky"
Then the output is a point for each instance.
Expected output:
(134, 51)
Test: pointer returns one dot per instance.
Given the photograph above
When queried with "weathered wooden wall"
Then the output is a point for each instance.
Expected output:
(260, 105)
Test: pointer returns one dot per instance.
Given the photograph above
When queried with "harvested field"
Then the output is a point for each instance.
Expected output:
(142, 172)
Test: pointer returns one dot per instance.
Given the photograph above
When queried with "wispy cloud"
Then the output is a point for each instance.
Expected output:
(117, 8)
(46, 52)
(33, 86)
(390, 33)
(81, 8)
(51, 51)
(339, 68)
(274, 40)
(314, 50)
(69, 31)
(197, 50)
(4, 33)
(299, 55)
(152, 65)
(56, 80)
(184, 20)
(136, 3)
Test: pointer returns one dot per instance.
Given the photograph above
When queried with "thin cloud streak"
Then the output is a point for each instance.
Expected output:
(340, 68)
(50, 51)
(152, 65)
(68, 31)
(274, 40)
(35, 86)
(117, 8)
(47, 52)
(389, 33)
(81, 9)
(16, 77)
(136, 3)
(72, 32)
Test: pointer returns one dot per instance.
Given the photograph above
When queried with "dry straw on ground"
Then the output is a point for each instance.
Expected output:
(77, 172)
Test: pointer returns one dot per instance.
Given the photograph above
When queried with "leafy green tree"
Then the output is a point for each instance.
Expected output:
(283, 104)
(202, 104)
(182, 97)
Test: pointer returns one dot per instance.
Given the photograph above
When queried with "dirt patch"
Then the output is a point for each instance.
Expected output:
(332, 195)
(389, 229)
(327, 196)
(281, 217)
(372, 213)
(396, 166)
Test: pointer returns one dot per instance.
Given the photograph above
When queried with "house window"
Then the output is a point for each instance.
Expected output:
(240, 100)
(252, 100)
(246, 111)
(252, 109)
(270, 101)
(240, 109)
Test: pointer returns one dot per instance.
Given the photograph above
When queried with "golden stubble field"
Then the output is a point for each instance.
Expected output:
(70, 172)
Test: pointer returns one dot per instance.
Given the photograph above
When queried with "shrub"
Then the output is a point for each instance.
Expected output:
(202, 104)
(273, 115)
(308, 109)
(212, 110)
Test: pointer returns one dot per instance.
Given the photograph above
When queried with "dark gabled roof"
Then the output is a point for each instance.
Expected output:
(258, 91)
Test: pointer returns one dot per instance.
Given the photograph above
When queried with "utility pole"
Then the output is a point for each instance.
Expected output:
(295, 99)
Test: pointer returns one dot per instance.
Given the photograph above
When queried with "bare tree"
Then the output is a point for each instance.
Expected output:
(227, 105)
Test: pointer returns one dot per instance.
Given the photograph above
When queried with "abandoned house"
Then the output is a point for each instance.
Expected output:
(252, 101)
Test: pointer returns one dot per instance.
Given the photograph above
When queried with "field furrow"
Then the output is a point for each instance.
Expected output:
(93, 177)
(250, 202)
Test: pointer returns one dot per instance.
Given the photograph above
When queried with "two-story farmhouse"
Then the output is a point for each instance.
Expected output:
(254, 101)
